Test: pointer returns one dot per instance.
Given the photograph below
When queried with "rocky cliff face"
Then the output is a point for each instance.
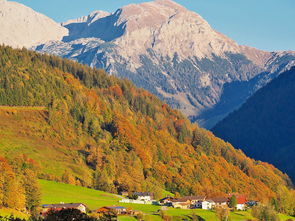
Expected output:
(174, 53)
(23, 27)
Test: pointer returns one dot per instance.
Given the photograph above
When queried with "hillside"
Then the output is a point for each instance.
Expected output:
(87, 128)
(264, 126)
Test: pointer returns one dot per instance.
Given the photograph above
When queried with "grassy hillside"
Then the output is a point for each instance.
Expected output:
(53, 192)
(24, 130)
(91, 129)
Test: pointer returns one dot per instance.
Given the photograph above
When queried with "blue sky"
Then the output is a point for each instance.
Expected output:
(264, 24)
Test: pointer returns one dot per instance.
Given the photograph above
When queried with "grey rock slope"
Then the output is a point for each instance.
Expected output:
(23, 27)
(175, 54)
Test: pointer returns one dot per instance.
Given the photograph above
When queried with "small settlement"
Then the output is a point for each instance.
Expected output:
(202, 202)
(186, 202)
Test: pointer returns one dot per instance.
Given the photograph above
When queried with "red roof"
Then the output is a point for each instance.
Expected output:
(241, 199)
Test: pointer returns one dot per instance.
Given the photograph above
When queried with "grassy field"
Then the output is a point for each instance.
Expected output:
(53, 192)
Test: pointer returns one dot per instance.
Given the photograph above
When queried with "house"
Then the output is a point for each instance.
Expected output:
(118, 210)
(241, 201)
(208, 204)
(146, 196)
(181, 203)
(167, 201)
(57, 207)
(220, 201)
(194, 199)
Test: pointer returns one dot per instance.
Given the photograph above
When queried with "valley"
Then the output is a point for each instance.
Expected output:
(108, 117)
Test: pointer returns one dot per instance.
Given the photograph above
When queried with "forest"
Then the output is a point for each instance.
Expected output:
(269, 113)
(126, 137)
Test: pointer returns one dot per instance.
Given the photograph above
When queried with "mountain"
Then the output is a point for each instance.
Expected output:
(23, 27)
(175, 54)
(264, 126)
(84, 127)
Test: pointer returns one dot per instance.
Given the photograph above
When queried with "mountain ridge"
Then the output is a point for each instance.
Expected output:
(263, 126)
(172, 52)
(152, 44)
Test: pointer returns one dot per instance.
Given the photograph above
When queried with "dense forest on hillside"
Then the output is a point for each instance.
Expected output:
(122, 137)
(264, 126)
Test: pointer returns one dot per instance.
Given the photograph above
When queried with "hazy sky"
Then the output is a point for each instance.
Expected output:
(264, 24)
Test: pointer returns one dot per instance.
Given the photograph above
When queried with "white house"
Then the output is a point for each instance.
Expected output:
(241, 201)
(208, 204)
(144, 196)
(241, 206)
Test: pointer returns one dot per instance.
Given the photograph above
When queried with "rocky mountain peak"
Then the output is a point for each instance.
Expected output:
(23, 27)
(89, 19)
(174, 53)
(169, 28)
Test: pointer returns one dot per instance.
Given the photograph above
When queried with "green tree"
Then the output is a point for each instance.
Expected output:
(233, 202)
(32, 190)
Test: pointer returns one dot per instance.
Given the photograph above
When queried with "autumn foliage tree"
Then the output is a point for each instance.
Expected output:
(18, 187)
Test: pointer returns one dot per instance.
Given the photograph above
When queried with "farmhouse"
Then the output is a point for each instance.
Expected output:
(181, 203)
(167, 201)
(207, 204)
(79, 206)
(118, 210)
(146, 196)
(220, 201)
(241, 201)
(194, 199)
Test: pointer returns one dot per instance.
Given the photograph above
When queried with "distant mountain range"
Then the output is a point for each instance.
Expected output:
(168, 50)
(264, 126)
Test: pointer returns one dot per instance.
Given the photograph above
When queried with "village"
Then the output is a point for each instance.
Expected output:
(233, 201)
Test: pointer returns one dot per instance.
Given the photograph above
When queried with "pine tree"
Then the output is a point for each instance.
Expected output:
(32, 190)
(233, 202)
